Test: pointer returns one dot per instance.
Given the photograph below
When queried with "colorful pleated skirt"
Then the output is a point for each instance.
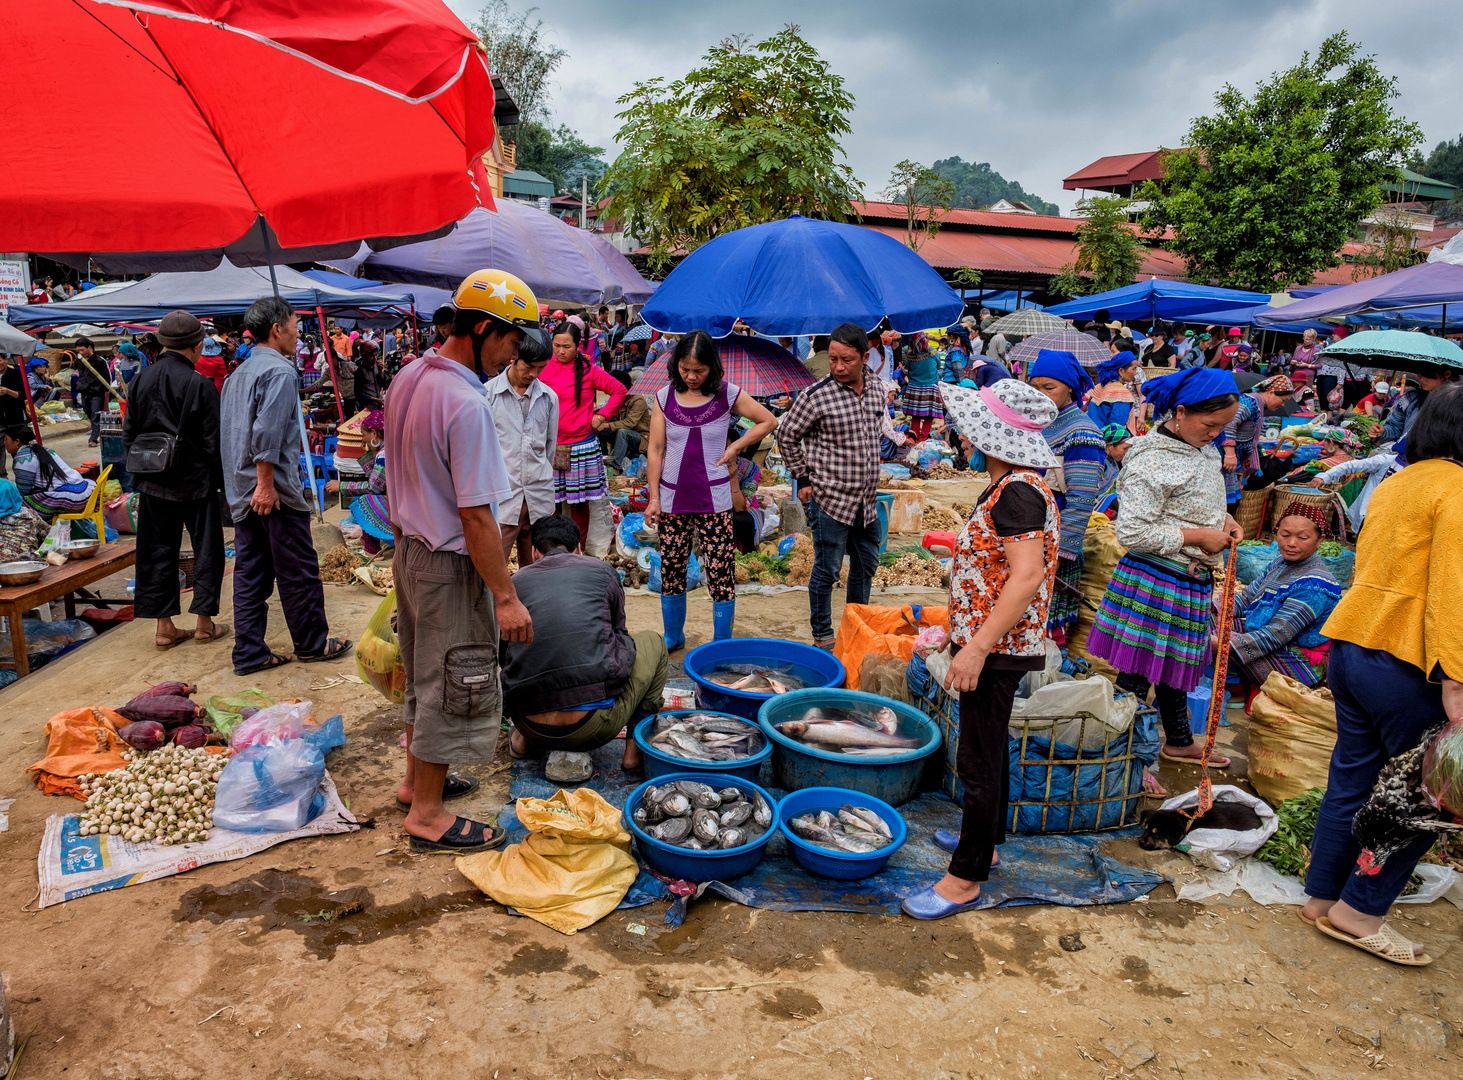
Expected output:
(922, 401)
(371, 514)
(1066, 602)
(584, 480)
(1154, 621)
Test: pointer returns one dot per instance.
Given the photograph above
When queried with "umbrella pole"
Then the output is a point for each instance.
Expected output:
(415, 344)
(309, 464)
(268, 256)
(330, 362)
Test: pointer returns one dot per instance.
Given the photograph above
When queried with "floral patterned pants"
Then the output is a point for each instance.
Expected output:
(718, 552)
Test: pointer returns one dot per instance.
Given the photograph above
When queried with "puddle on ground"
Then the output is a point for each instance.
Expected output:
(324, 918)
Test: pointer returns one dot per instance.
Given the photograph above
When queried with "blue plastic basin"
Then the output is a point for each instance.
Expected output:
(796, 766)
(659, 763)
(678, 862)
(844, 865)
(812, 665)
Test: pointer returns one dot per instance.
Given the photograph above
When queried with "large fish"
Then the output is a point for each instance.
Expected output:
(845, 736)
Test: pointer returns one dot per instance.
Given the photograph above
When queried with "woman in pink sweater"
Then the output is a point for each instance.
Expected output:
(579, 466)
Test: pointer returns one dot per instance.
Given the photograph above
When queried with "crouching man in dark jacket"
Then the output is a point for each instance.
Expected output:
(584, 677)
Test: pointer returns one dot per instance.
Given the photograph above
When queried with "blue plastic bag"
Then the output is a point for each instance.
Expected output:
(272, 788)
(693, 573)
(632, 524)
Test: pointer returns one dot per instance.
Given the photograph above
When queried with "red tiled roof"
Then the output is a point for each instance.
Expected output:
(1117, 169)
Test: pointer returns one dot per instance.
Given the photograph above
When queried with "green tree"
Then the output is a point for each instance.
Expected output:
(1271, 186)
(977, 185)
(1445, 163)
(1109, 249)
(520, 55)
(750, 136)
(559, 155)
(925, 195)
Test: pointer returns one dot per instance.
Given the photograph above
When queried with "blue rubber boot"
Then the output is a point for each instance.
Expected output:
(723, 613)
(673, 615)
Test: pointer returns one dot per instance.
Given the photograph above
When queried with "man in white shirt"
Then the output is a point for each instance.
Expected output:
(526, 413)
(444, 469)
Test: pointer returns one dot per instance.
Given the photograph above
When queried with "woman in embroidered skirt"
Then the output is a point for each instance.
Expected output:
(369, 509)
(1001, 581)
(1079, 480)
(690, 484)
(922, 394)
(579, 464)
(1153, 625)
(48, 485)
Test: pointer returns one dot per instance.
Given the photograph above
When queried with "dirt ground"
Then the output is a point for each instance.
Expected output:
(400, 967)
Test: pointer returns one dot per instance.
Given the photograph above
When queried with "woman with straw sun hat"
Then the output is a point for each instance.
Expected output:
(1001, 581)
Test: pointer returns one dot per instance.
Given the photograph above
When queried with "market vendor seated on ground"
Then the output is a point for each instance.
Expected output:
(581, 653)
(1279, 615)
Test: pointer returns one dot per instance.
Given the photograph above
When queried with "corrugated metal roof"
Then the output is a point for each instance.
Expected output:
(951, 249)
(984, 219)
(1117, 169)
(526, 182)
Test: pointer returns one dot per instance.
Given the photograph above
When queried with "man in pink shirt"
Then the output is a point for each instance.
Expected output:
(444, 470)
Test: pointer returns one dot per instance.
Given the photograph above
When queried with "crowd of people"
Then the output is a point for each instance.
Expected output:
(483, 452)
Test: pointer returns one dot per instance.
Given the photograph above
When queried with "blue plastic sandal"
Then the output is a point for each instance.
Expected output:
(928, 904)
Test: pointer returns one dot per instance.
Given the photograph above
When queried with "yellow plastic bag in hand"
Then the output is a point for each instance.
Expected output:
(573, 868)
(378, 656)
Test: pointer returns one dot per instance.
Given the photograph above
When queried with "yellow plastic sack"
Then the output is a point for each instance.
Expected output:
(378, 656)
(1292, 734)
(1100, 555)
(572, 870)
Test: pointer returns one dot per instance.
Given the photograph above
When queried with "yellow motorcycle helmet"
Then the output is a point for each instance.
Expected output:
(502, 296)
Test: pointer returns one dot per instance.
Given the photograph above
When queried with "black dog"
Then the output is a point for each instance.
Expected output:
(1165, 828)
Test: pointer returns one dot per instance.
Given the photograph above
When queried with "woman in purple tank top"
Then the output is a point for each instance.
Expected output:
(690, 485)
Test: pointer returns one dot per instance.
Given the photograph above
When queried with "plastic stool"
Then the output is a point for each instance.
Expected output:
(933, 540)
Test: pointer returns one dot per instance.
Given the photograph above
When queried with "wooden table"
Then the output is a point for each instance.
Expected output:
(56, 582)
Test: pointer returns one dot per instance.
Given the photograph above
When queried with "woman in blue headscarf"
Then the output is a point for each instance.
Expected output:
(1075, 440)
(1116, 399)
(21, 528)
(1153, 625)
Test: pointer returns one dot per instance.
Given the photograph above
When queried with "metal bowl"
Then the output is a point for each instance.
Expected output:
(21, 573)
(79, 549)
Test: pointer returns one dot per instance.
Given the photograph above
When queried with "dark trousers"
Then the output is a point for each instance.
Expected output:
(1324, 385)
(1383, 708)
(744, 530)
(94, 405)
(832, 540)
(983, 763)
(276, 548)
(1173, 707)
(160, 525)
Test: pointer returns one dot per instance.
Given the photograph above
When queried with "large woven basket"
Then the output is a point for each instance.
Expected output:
(1251, 513)
(1288, 495)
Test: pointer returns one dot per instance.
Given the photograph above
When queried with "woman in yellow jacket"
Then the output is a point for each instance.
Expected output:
(1396, 670)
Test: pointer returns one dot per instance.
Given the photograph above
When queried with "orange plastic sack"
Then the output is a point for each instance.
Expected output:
(78, 742)
(866, 628)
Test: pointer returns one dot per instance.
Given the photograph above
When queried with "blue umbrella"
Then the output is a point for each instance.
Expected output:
(802, 276)
(638, 332)
(1405, 350)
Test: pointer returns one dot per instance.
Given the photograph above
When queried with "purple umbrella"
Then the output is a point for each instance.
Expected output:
(1424, 285)
(1089, 351)
(760, 367)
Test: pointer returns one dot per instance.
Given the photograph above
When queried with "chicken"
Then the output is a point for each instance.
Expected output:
(1398, 811)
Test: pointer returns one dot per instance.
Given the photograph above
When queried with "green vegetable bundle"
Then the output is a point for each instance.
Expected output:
(1289, 850)
(1330, 549)
(757, 563)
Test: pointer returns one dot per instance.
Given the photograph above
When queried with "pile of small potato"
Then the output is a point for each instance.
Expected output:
(162, 795)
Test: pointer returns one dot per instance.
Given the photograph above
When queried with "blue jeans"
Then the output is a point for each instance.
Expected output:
(831, 541)
(1383, 707)
(627, 445)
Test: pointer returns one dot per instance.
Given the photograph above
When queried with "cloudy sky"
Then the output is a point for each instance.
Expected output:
(1039, 88)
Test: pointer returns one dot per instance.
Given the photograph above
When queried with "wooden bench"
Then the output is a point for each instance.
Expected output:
(56, 582)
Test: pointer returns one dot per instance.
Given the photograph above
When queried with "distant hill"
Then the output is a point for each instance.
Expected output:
(977, 185)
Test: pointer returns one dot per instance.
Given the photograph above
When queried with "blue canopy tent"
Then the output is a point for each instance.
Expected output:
(226, 290)
(1156, 299)
(802, 276)
(428, 298)
(1244, 315)
(1003, 301)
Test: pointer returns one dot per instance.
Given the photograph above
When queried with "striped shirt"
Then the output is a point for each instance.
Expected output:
(830, 437)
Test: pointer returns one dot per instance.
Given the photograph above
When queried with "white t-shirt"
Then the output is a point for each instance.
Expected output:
(442, 451)
(881, 361)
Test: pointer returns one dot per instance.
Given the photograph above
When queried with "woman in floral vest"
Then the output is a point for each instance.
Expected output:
(1001, 582)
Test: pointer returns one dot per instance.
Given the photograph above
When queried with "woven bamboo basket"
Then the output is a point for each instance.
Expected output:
(1288, 495)
(1252, 511)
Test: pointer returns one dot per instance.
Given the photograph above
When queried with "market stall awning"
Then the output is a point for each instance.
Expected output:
(1156, 299)
(1244, 315)
(227, 290)
(1424, 285)
(15, 343)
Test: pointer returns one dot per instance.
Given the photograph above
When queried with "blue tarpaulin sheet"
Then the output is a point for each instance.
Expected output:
(1068, 870)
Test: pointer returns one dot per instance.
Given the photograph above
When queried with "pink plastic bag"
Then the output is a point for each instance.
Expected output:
(274, 724)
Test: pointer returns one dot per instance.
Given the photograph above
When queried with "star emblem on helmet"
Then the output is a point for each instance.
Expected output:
(501, 291)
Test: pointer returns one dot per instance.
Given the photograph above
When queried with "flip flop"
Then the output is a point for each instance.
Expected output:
(1389, 943)
(454, 787)
(220, 630)
(1301, 914)
(1216, 761)
(180, 637)
(462, 836)
(335, 648)
(274, 661)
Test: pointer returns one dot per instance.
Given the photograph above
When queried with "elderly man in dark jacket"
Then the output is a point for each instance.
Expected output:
(581, 654)
(169, 397)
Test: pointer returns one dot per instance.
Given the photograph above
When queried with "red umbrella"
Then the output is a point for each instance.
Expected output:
(335, 121)
(760, 367)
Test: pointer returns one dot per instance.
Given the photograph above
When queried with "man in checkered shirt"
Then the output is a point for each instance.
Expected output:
(829, 441)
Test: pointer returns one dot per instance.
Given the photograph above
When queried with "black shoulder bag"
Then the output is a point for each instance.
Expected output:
(153, 451)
